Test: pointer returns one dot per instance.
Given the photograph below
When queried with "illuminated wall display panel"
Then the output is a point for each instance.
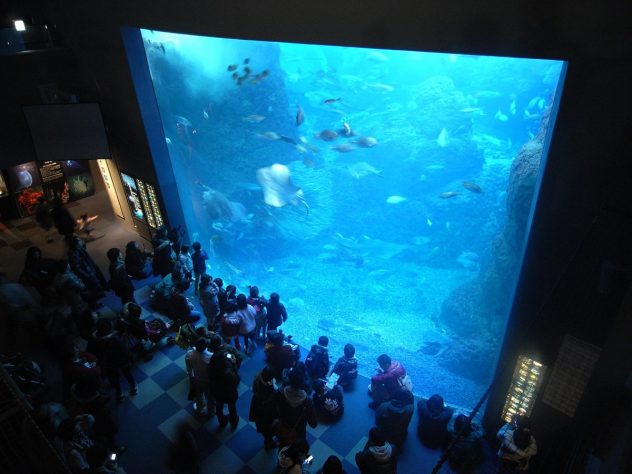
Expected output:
(526, 381)
(104, 168)
(133, 197)
(155, 207)
(145, 202)
(369, 188)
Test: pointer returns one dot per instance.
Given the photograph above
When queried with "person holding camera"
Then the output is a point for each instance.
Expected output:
(224, 379)
(101, 462)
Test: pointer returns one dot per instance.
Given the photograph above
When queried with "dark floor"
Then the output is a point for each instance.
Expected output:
(148, 420)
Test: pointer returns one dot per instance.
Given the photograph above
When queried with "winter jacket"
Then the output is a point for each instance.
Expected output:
(136, 263)
(295, 409)
(376, 459)
(247, 317)
(393, 418)
(509, 452)
(346, 369)
(262, 404)
(120, 282)
(317, 362)
(84, 267)
(277, 315)
(330, 404)
(110, 350)
(390, 378)
(223, 377)
(199, 262)
(433, 427)
(209, 301)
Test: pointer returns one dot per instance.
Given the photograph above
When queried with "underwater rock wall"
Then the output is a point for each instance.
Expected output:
(475, 311)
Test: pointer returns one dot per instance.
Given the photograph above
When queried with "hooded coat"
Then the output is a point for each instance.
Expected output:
(295, 409)
(375, 459)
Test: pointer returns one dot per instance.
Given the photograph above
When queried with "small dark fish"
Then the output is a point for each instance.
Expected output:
(475, 188)
(246, 61)
(265, 73)
(247, 71)
(287, 140)
(235, 75)
(240, 81)
(327, 135)
(448, 194)
(232, 67)
(331, 101)
(300, 116)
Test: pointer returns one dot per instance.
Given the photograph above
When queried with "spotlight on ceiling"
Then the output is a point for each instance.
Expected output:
(19, 25)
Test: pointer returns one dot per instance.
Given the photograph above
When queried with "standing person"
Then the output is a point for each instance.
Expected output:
(377, 455)
(120, 282)
(186, 261)
(208, 301)
(84, 267)
(247, 315)
(44, 218)
(222, 299)
(114, 356)
(164, 256)
(386, 382)
(62, 219)
(184, 457)
(197, 362)
(294, 409)
(224, 379)
(136, 261)
(262, 404)
(517, 445)
(230, 324)
(199, 259)
(276, 312)
(259, 304)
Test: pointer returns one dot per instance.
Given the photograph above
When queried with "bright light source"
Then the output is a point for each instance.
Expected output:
(525, 384)
(19, 25)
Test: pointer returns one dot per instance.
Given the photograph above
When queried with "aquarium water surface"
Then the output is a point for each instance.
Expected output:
(385, 195)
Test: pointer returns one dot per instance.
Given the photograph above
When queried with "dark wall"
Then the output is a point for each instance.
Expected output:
(584, 212)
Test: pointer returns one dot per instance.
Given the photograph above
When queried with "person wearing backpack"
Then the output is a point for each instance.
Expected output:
(387, 381)
(317, 361)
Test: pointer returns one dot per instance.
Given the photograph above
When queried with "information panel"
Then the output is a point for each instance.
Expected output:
(104, 168)
(133, 198)
(50, 171)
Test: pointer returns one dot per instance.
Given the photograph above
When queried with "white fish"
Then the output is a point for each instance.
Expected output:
(361, 169)
(533, 102)
(429, 222)
(469, 110)
(541, 104)
(442, 139)
(500, 116)
(395, 199)
(205, 115)
(168, 140)
(512, 107)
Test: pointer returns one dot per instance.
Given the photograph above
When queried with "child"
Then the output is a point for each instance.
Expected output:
(259, 304)
(187, 263)
(230, 325)
(199, 259)
(85, 224)
(275, 312)
(346, 367)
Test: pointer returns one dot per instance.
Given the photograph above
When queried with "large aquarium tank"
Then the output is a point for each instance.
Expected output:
(385, 195)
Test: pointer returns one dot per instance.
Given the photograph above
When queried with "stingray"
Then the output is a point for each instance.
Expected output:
(278, 189)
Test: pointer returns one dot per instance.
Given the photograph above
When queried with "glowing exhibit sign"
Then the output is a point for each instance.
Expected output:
(109, 186)
(526, 381)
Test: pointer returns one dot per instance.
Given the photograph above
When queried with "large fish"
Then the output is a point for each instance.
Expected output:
(475, 188)
(300, 116)
(362, 169)
(442, 139)
(327, 135)
(344, 148)
(366, 142)
(278, 189)
(448, 194)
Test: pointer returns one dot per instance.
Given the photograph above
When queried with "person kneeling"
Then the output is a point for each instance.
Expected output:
(328, 401)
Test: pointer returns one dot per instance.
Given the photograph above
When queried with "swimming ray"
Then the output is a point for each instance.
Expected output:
(278, 189)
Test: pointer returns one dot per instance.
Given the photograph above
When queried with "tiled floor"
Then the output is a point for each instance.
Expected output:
(149, 420)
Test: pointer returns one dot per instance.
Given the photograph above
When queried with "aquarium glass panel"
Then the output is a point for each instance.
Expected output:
(385, 195)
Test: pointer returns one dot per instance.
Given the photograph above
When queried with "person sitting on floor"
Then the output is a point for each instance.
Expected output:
(328, 401)
(393, 417)
(466, 453)
(387, 381)
(317, 361)
(280, 355)
(433, 421)
(377, 455)
(137, 261)
(346, 367)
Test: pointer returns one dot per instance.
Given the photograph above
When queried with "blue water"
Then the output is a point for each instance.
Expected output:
(385, 195)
